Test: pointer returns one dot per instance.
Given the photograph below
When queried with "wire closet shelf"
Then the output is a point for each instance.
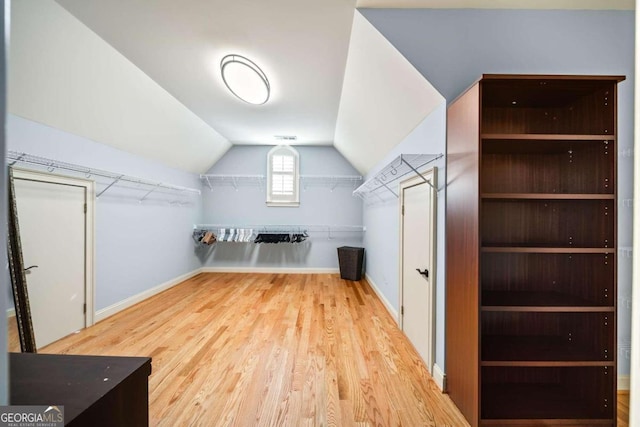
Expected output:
(235, 181)
(390, 175)
(213, 180)
(53, 166)
(285, 228)
(332, 181)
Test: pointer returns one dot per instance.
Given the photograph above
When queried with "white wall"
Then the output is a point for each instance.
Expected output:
(4, 272)
(383, 222)
(138, 245)
(634, 397)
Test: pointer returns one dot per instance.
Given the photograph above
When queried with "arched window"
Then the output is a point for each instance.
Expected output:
(283, 163)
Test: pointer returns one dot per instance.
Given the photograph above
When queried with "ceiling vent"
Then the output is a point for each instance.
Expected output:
(286, 137)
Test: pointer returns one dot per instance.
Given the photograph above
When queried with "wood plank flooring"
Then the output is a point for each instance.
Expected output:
(623, 409)
(266, 349)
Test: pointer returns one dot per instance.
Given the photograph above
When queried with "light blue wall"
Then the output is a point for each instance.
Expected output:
(452, 48)
(4, 272)
(138, 245)
(246, 205)
(383, 221)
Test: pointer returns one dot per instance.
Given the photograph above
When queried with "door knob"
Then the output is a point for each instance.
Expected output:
(28, 269)
(425, 273)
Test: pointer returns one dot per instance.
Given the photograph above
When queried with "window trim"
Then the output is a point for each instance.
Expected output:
(272, 200)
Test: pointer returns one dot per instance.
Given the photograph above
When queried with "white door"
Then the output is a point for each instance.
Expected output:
(417, 284)
(51, 217)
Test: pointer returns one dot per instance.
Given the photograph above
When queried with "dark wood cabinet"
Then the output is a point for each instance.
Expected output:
(531, 251)
(96, 391)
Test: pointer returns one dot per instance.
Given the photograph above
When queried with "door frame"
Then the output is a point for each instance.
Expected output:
(431, 176)
(89, 227)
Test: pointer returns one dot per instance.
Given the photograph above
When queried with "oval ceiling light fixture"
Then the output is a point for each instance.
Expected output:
(245, 79)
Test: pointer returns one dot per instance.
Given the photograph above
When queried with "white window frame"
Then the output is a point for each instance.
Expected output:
(292, 200)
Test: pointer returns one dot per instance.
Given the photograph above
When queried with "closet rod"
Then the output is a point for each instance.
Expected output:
(266, 229)
(51, 165)
(287, 227)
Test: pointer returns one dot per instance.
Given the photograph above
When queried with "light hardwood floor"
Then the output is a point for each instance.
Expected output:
(266, 349)
(623, 409)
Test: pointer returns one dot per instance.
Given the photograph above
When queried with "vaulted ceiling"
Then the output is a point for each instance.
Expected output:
(145, 75)
(300, 45)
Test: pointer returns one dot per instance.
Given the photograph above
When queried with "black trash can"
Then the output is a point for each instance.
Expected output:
(350, 260)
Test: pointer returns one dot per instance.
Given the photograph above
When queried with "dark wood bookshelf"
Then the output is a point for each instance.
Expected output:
(546, 196)
(532, 251)
(542, 299)
(524, 349)
(543, 364)
(548, 309)
(547, 166)
(548, 250)
(550, 402)
(545, 137)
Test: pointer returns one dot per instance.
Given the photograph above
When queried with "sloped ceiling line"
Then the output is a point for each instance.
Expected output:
(383, 98)
(63, 75)
(300, 45)
(144, 76)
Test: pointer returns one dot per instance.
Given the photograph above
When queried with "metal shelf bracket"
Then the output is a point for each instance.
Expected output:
(399, 167)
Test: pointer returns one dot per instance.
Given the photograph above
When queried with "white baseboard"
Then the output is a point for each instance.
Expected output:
(134, 299)
(385, 301)
(623, 382)
(439, 377)
(270, 270)
(11, 312)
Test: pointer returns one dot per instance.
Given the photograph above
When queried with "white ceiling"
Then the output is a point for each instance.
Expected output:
(144, 75)
(65, 76)
(300, 45)
(383, 98)
(500, 4)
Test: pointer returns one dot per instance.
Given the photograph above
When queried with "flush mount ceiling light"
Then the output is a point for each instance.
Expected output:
(245, 79)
